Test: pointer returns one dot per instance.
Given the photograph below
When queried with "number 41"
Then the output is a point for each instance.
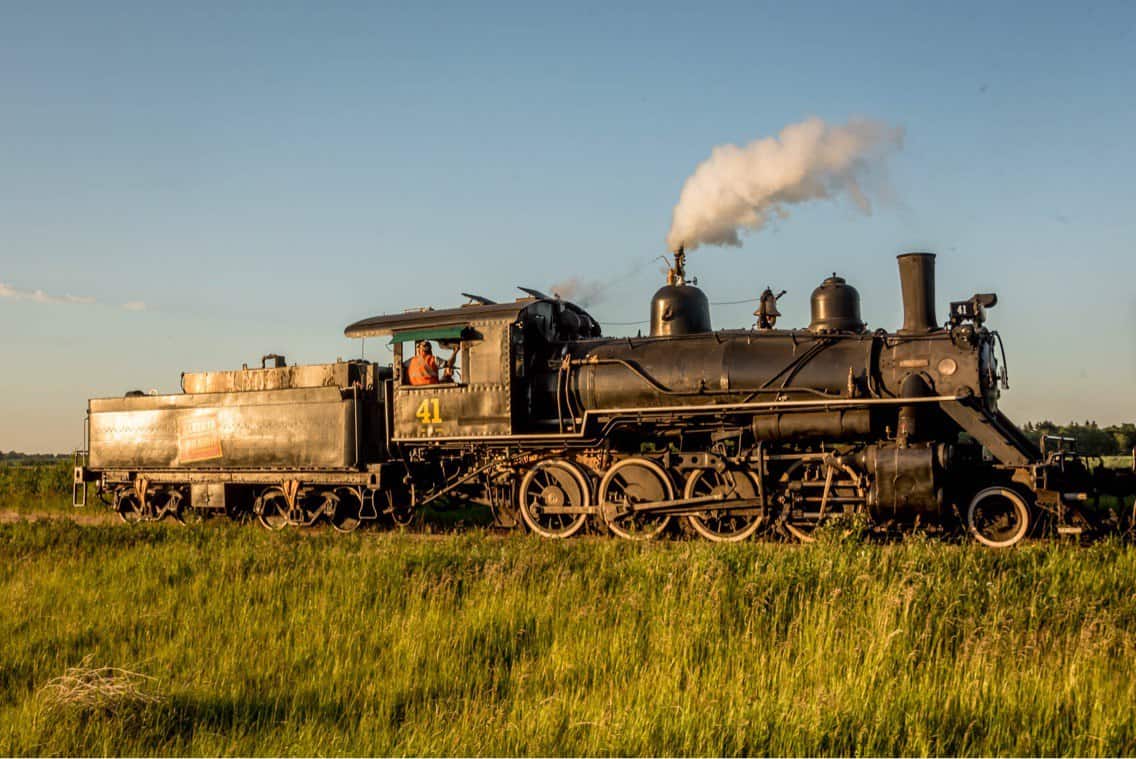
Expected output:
(428, 411)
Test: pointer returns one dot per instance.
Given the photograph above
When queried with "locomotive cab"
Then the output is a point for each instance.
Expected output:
(500, 347)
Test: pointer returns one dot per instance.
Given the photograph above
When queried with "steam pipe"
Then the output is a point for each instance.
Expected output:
(917, 283)
(914, 386)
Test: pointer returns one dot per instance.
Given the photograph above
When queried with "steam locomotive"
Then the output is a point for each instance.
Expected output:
(559, 429)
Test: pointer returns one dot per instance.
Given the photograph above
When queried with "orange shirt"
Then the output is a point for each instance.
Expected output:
(423, 370)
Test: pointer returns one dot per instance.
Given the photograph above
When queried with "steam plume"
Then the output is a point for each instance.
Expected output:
(590, 292)
(583, 293)
(744, 187)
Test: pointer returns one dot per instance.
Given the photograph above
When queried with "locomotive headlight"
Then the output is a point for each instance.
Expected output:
(948, 366)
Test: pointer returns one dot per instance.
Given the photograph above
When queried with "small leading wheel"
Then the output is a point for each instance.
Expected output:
(628, 482)
(343, 507)
(554, 498)
(128, 505)
(998, 517)
(724, 526)
(271, 509)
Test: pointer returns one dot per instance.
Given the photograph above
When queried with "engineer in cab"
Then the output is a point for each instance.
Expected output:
(423, 368)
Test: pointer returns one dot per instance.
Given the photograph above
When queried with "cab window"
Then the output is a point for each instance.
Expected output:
(449, 356)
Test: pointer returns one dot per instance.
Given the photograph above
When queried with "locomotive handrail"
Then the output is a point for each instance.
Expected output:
(664, 390)
(1005, 364)
(796, 364)
(875, 347)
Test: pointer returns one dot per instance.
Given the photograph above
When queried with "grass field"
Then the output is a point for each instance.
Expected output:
(248, 642)
(36, 488)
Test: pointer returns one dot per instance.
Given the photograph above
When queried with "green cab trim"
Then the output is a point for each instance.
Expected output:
(436, 333)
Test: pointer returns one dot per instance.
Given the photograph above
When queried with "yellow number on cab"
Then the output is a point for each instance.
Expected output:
(429, 411)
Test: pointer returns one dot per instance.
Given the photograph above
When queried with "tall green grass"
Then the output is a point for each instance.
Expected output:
(36, 487)
(475, 644)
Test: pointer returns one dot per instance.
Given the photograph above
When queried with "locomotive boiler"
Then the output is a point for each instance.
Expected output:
(841, 419)
(557, 428)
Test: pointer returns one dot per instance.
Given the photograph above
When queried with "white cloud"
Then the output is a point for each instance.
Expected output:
(39, 296)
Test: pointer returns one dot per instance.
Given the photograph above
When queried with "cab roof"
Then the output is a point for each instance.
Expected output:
(389, 324)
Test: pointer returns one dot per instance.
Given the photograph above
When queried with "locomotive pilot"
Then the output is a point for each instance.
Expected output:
(423, 368)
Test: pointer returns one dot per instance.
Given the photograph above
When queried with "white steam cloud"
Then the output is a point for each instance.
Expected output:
(740, 188)
(586, 293)
(39, 296)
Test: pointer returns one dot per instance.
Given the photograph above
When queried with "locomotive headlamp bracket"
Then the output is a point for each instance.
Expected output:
(973, 310)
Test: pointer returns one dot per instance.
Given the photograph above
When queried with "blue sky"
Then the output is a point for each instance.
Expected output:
(261, 174)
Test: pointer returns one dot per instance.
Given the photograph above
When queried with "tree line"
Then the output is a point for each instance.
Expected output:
(15, 457)
(1092, 439)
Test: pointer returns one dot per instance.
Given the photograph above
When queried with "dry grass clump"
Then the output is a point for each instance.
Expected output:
(109, 691)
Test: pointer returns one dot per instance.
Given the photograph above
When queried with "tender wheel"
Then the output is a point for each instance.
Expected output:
(343, 507)
(166, 502)
(723, 526)
(128, 505)
(825, 491)
(998, 517)
(178, 507)
(547, 492)
(271, 509)
(630, 481)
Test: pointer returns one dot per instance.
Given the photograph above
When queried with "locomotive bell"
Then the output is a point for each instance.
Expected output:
(836, 307)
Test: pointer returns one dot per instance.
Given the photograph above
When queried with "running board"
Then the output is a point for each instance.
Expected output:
(995, 431)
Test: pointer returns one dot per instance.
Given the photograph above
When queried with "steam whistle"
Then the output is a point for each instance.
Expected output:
(676, 275)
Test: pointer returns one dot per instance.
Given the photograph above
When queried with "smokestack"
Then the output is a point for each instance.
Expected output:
(917, 283)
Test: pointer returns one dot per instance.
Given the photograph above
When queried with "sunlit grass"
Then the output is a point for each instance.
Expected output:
(379, 643)
(36, 488)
